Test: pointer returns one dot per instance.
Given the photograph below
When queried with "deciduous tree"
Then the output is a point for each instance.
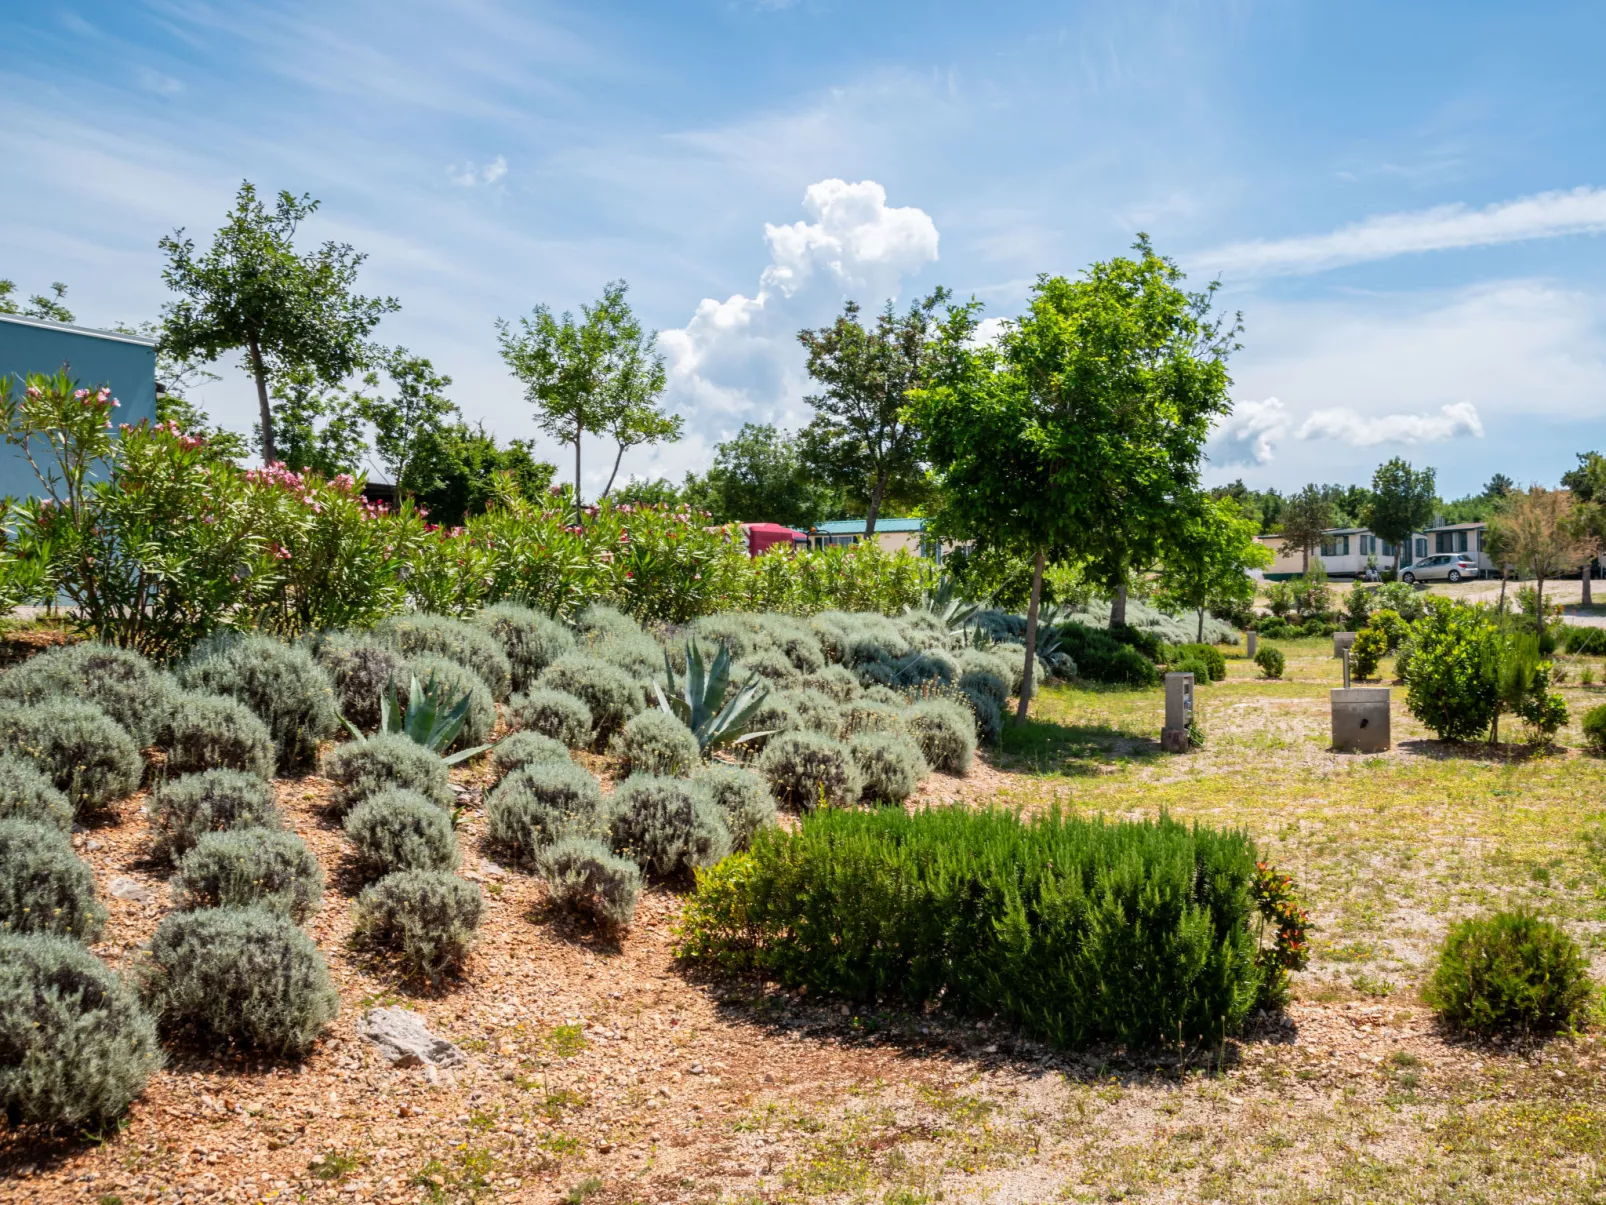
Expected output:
(1402, 502)
(1537, 531)
(1208, 557)
(758, 476)
(1305, 516)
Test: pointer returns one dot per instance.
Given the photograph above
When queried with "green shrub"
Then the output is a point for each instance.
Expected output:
(1510, 971)
(554, 714)
(873, 715)
(1393, 627)
(240, 975)
(519, 749)
(655, 742)
(210, 732)
(945, 732)
(78, 1046)
(769, 664)
(1078, 931)
(534, 806)
(583, 875)
(1449, 686)
(1192, 665)
(531, 640)
(364, 768)
(250, 867)
(124, 685)
(361, 670)
(1595, 728)
(1101, 657)
(1007, 669)
(1271, 661)
(988, 715)
(44, 886)
(889, 766)
(1214, 662)
(86, 754)
(834, 682)
(609, 693)
(401, 830)
(289, 691)
(186, 808)
(26, 794)
(457, 682)
(1366, 654)
(668, 825)
(806, 768)
(471, 646)
(1578, 640)
(817, 712)
(428, 917)
(985, 683)
(742, 799)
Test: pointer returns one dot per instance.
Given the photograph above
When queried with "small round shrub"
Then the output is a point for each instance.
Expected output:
(609, 693)
(186, 808)
(554, 714)
(86, 754)
(44, 886)
(467, 644)
(77, 1045)
(873, 715)
(26, 794)
(930, 665)
(534, 806)
(1271, 661)
(1594, 723)
(1125, 666)
(945, 732)
(455, 682)
(123, 684)
(210, 732)
(519, 749)
(364, 768)
(610, 635)
(427, 916)
(668, 825)
(742, 798)
(987, 683)
(834, 682)
(890, 766)
(362, 669)
(289, 691)
(1367, 652)
(769, 664)
(875, 673)
(532, 641)
(250, 867)
(1509, 971)
(818, 713)
(989, 717)
(655, 742)
(240, 975)
(1194, 666)
(401, 830)
(583, 875)
(1215, 664)
(774, 715)
(599, 619)
(887, 695)
(804, 768)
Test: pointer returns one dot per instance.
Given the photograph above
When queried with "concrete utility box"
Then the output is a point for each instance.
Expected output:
(1361, 719)
(1178, 711)
(1251, 644)
(1342, 641)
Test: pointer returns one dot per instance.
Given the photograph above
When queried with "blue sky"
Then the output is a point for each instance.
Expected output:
(1405, 200)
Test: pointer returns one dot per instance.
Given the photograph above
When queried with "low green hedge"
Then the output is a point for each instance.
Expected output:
(1075, 930)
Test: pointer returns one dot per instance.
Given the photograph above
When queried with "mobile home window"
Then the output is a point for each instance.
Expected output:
(1480, 539)
(1421, 546)
(1461, 541)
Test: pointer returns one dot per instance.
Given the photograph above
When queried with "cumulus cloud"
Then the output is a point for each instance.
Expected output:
(1250, 433)
(467, 176)
(1456, 419)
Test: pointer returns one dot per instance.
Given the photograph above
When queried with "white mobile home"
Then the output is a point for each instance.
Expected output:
(1347, 551)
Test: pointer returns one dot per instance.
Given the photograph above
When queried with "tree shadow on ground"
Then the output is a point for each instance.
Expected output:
(1483, 751)
(1036, 746)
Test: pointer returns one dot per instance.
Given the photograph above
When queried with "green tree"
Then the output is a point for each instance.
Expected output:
(1402, 502)
(1537, 530)
(416, 410)
(1208, 558)
(1499, 486)
(319, 426)
(176, 378)
(1588, 481)
(656, 491)
(758, 476)
(454, 469)
(1305, 516)
(291, 314)
(861, 440)
(39, 306)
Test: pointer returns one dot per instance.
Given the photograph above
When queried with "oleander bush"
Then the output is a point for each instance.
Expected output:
(123, 684)
(582, 874)
(656, 742)
(1077, 931)
(469, 645)
(27, 794)
(427, 916)
(742, 798)
(186, 808)
(361, 670)
(534, 806)
(1270, 661)
(552, 713)
(945, 732)
(250, 867)
(519, 749)
(1594, 724)
(834, 682)
(210, 732)
(282, 683)
(401, 830)
(78, 1045)
(805, 769)
(890, 766)
(44, 886)
(609, 693)
(241, 976)
(531, 640)
(1511, 971)
(364, 768)
(455, 682)
(669, 826)
(86, 754)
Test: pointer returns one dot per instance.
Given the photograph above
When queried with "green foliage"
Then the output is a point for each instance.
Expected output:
(669, 826)
(1194, 666)
(1510, 971)
(211, 731)
(444, 687)
(364, 768)
(87, 755)
(1078, 931)
(805, 769)
(520, 749)
(552, 713)
(361, 670)
(705, 704)
(1582, 641)
(945, 732)
(742, 798)
(1367, 652)
(817, 712)
(890, 766)
(186, 808)
(124, 685)
(240, 975)
(759, 475)
(470, 646)
(770, 665)
(834, 682)
(1100, 657)
(655, 742)
(460, 472)
(1212, 658)
(606, 690)
(44, 886)
(1402, 501)
(26, 794)
(987, 683)
(1271, 661)
(531, 640)
(1449, 686)
(536, 805)
(582, 874)
(78, 1045)
(287, 689)
(401, 830)
(250, 867)
(428, 917)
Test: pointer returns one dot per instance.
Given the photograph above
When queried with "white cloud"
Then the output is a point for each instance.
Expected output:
(155, 81)
(1249, 435)
(1349, 426)
(1543, 215)
(468, 175)
(855, 237)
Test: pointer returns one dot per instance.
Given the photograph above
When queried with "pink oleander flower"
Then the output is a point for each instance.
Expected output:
(34, 392)
(80, 394)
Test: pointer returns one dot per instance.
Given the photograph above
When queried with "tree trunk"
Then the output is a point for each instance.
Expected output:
(1031, 637)
(1588, 598)
(875, 505)
(1539, 604)
(260, 372)
(1502, 608)
(1200, 638)
(1118, 607)
(1306, 567)
(579, 513)
(608, 489)
(1494, 728)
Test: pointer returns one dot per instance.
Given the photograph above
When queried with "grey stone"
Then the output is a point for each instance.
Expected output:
(1361, 719)
(123, 888)
(405, 1041)
(1342, 641)
(1252, 645)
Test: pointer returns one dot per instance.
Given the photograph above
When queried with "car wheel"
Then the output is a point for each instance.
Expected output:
(1454, 575)
(1408, 578)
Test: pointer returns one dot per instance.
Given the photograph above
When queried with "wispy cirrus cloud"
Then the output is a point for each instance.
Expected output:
(467, 176)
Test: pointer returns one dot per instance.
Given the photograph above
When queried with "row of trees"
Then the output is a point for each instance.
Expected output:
(1349, 505)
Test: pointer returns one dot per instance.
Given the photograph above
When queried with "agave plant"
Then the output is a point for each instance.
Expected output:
(429, 719)
(700, 700)
(944, 602)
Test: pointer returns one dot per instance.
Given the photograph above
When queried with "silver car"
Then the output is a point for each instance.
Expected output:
(1446, 567)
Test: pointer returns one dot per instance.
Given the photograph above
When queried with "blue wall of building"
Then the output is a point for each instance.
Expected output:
(93, 358)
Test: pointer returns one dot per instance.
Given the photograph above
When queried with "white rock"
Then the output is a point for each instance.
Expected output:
(405, 1041)
(124, 888)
